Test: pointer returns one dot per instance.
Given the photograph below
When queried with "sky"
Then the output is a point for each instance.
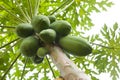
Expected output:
(108, 17)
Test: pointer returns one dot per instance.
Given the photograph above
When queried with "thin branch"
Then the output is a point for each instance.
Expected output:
(65, 7)
(7, 26)
(50, 67)
(10, 66)
(5, 2)
(21, 10)
(9, 48)
(30, 7)
(3, 37)
(9, 43)
(59, 7)
(36, 7)
(26, 12)
(11, 13)
(6, 32)
(23, 71)
(103, 46)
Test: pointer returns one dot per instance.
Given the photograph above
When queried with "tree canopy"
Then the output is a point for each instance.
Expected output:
(106, 50)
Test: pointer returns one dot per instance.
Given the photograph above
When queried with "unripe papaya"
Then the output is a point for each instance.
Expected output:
(37, 60)
(40, 22)
(61, 27)
(75, 45)
(29, 46)
(24, 30)
(47, 35)
(52, 18)
(41, 52)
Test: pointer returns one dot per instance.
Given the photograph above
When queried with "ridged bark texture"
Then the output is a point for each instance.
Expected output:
(68, 70)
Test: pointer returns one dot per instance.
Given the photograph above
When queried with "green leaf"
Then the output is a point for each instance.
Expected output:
(77, 12)
(115, 26)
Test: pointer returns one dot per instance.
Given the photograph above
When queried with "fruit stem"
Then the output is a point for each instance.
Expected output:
(10, 66)
(50, 67)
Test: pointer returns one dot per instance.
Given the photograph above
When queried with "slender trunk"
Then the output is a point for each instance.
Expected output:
(68, 70)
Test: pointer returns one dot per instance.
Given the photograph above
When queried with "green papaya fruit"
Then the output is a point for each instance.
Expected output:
(61, 27)
(47, 35)
(40, 22)
(52, 18)
(41, 52)
(75, 45)
(24, 30)
(37, 60)
(29, 46)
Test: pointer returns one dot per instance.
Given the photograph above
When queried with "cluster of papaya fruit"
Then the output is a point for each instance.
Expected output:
(47, 30)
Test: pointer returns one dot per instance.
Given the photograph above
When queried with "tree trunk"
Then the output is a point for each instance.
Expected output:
(68, 70)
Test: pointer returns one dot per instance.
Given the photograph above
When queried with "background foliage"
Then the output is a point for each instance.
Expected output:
(106, 49)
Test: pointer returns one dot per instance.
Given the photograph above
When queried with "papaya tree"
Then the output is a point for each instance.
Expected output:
(40, 38)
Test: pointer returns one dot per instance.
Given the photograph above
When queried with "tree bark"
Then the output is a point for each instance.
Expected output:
(68, 70)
